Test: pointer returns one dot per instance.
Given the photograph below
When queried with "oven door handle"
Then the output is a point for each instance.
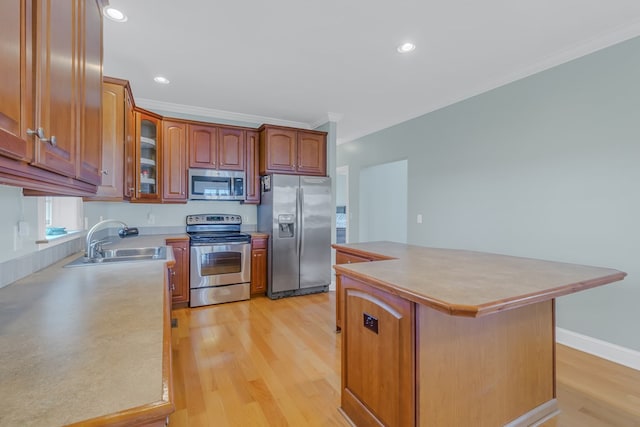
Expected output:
(206, 244)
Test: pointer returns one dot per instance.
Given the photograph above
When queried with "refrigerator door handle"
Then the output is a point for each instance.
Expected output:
(301, 233)
(297, 223)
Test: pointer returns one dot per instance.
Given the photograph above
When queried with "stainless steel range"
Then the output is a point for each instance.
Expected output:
(220, 268)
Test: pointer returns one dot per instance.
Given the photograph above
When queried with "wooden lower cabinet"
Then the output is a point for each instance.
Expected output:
(259, 265)
(378, 357)
(498, 368)
(346, 258)
(180, 279)
(407, 364)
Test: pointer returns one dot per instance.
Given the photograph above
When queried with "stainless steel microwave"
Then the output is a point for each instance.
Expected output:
(206, 184)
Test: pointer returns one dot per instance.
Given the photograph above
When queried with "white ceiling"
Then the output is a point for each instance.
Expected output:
(299, 62)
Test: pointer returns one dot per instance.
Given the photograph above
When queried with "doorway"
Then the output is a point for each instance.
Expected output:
(383, 202)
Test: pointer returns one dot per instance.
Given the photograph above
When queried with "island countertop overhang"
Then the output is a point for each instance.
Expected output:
(468, 283)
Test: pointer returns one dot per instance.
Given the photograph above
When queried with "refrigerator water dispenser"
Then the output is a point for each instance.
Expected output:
(285, 225)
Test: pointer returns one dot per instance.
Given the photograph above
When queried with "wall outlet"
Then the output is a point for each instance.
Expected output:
(151, 219)
(419, 219)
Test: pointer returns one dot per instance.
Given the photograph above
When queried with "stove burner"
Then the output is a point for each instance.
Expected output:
(215, 228)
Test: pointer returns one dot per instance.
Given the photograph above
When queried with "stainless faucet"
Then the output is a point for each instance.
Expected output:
(94, 247)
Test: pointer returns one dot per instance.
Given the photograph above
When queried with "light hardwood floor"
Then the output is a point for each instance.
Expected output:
(277, 363)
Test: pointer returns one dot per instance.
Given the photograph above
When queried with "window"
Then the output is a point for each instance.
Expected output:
(59, 216)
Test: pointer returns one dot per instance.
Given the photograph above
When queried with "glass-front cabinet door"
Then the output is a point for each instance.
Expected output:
(148, 157)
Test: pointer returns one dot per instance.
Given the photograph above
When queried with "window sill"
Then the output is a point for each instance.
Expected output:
(50, 241)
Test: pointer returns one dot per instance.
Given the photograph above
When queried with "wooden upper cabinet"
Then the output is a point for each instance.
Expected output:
(312, 153)
(252, 183)
(89, 162)
(203, 146)
(278, 150)
(231, 149)
(50, 95)
(216, 147)
(16, 96)
(148, 152)
(174, 161)
(129, 177)
(292, 151)
(57, 86)
(111, 185)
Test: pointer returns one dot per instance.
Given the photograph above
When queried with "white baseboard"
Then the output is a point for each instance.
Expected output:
(332, 286)
(613, 352)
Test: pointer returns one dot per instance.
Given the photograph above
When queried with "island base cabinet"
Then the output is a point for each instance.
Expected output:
(407, 364)
(377, 357)
(494, 370)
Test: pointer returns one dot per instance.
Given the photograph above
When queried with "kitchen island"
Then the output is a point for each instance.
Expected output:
(88, 345)
(441, 337)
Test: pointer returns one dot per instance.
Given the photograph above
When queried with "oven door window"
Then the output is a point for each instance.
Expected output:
(214, 263)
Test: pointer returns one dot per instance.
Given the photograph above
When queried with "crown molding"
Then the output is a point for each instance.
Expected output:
(330, 117)
(150, 104)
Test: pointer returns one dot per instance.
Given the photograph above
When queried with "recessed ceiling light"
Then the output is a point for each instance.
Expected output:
(406, 47)
(114, 14)
(161, 80)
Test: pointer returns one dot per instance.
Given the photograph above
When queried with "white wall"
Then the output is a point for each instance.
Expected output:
(388, 220)
(341, 189)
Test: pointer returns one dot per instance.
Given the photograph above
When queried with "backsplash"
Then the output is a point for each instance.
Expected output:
(20, 255)
(17, 268)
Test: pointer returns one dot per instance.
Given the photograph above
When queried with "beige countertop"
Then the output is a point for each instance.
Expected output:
(468, 283)
(86, 342)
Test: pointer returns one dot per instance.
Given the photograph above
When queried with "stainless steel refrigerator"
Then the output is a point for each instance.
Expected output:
(296, 213)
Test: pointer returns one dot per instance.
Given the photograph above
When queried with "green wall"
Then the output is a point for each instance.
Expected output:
(545, 167)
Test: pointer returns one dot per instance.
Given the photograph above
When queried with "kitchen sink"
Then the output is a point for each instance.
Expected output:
(122, 255)
(154, 252)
